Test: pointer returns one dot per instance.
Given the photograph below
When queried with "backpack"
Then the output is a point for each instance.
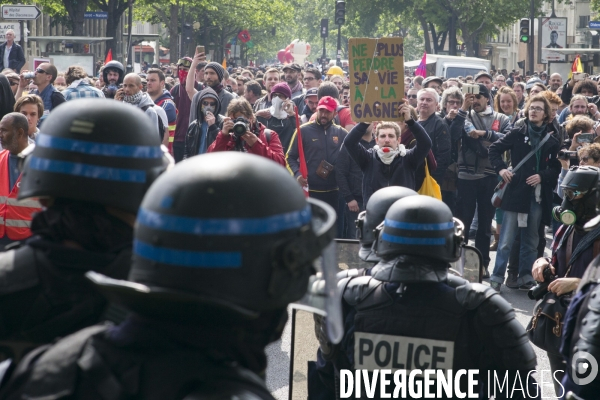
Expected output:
(161, 125)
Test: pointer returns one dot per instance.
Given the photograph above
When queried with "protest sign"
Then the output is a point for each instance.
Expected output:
(376, 78)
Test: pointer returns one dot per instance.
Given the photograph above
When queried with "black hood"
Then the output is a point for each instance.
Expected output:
(7, 99)
(196, 110)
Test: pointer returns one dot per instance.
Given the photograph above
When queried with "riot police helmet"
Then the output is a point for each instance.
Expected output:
(420, 226)
(94, 150)
(227, 242)
(368, 220)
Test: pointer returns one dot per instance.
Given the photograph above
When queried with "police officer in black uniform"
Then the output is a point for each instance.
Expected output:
(410, 298)
(91, 167)
(219, 253)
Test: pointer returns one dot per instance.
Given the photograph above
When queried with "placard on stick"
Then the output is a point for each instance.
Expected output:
(376, 78)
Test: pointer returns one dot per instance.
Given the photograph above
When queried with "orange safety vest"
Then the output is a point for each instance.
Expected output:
(15, 215)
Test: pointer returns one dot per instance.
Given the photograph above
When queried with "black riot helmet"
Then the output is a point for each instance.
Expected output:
(227, 242)
(368, 220)
(95, 150)
(579, 196)
(420, 226)
(116, 66)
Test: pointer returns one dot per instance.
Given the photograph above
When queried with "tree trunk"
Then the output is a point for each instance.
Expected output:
(452, 35)
(173, 27)
(115, 9)
(425, 31)
(76, 11)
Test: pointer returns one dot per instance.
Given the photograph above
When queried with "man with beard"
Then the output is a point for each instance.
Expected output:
(321, 140)
(389, 163)
(214, 75)
(112, 75)
(412, 97)
(291, 73)
(162, 98)
(131, 93)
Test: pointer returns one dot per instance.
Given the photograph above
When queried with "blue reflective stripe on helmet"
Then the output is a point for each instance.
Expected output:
(410, 240)
(88, 170)
(233, 226)
(418, 227)
(98, 149)
(186, 258)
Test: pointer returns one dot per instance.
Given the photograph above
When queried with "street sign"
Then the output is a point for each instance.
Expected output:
(594, 24)
(20, 12)
(96, 15)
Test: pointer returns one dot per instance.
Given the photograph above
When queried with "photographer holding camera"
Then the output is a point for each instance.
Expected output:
(573, 248)
(242, 132)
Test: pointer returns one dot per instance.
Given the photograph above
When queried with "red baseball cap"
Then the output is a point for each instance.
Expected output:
(328, 103)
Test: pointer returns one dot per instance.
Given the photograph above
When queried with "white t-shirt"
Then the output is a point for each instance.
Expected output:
(6, 54)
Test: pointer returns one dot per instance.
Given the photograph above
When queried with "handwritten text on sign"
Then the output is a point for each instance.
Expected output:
(376, 78)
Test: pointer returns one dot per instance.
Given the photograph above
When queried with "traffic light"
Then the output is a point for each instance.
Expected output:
(340, 12)
(524, 34)
(324, 27)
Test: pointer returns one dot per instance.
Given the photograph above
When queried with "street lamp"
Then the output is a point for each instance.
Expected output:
(340, 18)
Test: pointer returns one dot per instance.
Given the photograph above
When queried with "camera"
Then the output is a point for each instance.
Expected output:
(240, 126)
(541, 289)
(29, 75)
(567, 155)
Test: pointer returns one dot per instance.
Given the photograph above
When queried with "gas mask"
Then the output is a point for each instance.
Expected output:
(579, 200)
(575, 211)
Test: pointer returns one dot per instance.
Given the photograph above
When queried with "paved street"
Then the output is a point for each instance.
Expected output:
(279, 352)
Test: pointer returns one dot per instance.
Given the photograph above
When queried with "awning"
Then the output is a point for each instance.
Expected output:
(144, 49)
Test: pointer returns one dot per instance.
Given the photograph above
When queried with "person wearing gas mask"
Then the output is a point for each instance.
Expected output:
(282, 119)
(242, 132)
(205, 123)
(573, 248)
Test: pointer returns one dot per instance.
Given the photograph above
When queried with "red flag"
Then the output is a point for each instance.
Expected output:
(422, 68)
(303, 168)
(108, 56)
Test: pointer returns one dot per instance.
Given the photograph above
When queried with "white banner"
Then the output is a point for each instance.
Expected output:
(552, 35)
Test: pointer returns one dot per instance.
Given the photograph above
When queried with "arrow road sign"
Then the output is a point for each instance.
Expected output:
(20, 12)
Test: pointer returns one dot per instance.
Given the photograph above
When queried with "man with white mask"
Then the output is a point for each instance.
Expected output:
(282, 118)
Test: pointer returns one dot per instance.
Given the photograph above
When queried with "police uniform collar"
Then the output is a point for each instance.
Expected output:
(405, 269)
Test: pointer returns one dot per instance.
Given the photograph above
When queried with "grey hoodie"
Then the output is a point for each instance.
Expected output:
(150, 112)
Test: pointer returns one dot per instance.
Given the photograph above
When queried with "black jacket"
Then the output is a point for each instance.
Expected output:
(349, 175)
(319, 143)
(16, 58)
(285, 128)
(192, 137)
(517, 197)
(440, 145)
(377, 175)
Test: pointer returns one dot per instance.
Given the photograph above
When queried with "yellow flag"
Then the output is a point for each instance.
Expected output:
(224, 63)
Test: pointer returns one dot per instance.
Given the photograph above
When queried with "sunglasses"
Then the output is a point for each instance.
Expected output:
(208, 103)
(411, 96)
(41, 71)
